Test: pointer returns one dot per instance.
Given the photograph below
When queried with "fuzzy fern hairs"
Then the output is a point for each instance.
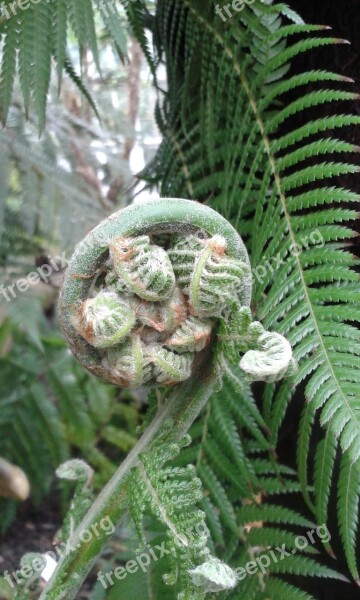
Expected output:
(159, 294)
(147, 290)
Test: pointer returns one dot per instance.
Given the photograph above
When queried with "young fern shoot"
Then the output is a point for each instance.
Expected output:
(159, 294)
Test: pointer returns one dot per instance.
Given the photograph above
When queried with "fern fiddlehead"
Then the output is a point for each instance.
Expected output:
(167, 314)
(177, 290)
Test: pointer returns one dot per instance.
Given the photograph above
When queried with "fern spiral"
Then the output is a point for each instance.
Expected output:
(145, 311)
(143, 268)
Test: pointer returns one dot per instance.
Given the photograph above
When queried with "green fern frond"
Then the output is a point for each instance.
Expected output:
(171, 495)
(276, 588)
(137, 13)
(113, 24)
(8, 65)
(60, 16)
(42, 59)
(280, 191)
(219, 497)
(302, 565)
(348, 512)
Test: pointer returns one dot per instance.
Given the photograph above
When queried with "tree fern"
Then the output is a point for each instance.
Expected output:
(227, 147)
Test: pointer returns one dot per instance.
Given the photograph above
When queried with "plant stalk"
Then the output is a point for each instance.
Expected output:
(180, 410)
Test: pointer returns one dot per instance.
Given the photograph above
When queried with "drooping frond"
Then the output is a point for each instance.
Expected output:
(48, 184)
(30, 37)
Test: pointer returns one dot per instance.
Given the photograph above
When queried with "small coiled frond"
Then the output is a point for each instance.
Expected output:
(104, 321)
(214, 576)
(192, 335)
(144, 268)
(207, 275)
(183, 254)
(165, 316)
(272, 360)
(169, 367)
(128, 365)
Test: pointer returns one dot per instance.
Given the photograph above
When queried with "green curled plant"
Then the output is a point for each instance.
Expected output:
(159, 294)
(156, 301)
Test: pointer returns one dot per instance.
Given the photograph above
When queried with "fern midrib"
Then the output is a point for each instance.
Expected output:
(149, 585)
(162, 510)
(322, 469)
(204, 435)
(348, 516)
(305, 288)
(277, 180)
(185, 168)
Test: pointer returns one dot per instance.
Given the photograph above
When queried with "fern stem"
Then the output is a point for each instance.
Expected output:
(181, 409)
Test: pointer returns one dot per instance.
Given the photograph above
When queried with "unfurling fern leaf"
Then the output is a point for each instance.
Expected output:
(171, 494)
(205, 274)
(144, 268)
(192, 335)
(169, 366)
(130, 364)
(164, 316)
(104, 321)
(272, 361)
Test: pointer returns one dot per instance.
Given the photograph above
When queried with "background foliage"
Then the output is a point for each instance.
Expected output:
(250, 128)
